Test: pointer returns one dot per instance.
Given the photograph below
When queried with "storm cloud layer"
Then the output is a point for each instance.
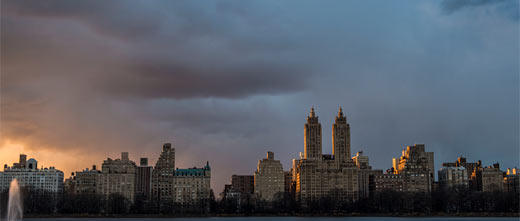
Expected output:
(227, 81)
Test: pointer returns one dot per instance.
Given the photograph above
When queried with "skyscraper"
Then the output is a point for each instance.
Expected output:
(269, 178)
(317, 175)
(162, 175)
(312, 141)
(340, 138)
(416, 166)
(143, 185)
(117, 176)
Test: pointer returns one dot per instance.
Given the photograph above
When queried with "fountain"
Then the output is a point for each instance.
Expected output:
(14, 205)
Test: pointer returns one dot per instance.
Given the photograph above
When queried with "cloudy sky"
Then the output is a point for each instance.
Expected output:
(226, 81)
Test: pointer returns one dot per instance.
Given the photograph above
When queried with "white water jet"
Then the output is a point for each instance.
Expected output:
(14, 205)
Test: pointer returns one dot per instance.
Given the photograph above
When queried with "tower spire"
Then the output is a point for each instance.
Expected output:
(312, 112)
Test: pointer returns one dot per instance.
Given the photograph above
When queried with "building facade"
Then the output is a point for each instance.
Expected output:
(85, 182)
(269, 178)
(143, 180)
(28, 175)
(487, 179)
(417, 167)
(453, 177)
(388, 181)
(317, 175)
(288, 181)
(244, 184)
(117, 177)
(462, 162)
(511, 180)
(364, 173)
(162, 175)
(192, 186)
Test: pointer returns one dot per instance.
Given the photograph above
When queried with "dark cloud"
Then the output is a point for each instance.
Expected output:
(186, 65)
(507, 8)
(226, 81)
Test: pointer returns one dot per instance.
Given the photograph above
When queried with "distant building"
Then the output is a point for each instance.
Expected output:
(29, 176)
(453, 177)
(162, 175)
(388, 181)
(511, 180)
(170, 185)
(143, 185)
(229, 193)
(288, 181)
(364, 173)
(417, 167)
(117, 177)
(69, 185)
(244, 184)
(269, 178)
(488, 179)
(461, 162)
(86, 181)
(192, 186)
(317, 175)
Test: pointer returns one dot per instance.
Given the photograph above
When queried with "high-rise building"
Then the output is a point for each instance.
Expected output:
(461, 162)
(182, 186)
(22, 162)
(85, 182)
(340, 138)
(244, 184)
(143, 185)
(162, 175)
(417, 166)
(44, 179)
(512, 180)
(364, 173)
(453, 177)
(488, 179)
(192, 186)
(269, 178)
(317, 175)
(288, 181)
(117, 177)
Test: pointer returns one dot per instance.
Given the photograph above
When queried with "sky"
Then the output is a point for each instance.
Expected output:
(227, 81)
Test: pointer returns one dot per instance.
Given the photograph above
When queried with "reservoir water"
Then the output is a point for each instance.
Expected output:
(287, 219)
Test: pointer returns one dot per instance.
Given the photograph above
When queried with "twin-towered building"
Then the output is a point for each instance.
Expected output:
(317, 175)
(313, 176)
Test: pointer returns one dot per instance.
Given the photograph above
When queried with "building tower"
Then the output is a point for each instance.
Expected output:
(162, 175)
(312, 137)
(340, 138)
(269, 178)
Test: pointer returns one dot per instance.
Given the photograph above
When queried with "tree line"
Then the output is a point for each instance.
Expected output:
(451, 201)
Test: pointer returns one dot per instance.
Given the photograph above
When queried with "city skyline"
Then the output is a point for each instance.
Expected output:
(227, 82)
(301, 155)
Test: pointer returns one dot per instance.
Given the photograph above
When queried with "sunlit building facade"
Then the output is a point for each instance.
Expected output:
(417, 167)
(488, 179)
(269, 178)
(117, 177)
(28, 175)
(317, 175)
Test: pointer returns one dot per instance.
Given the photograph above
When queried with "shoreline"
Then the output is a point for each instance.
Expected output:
(275, 215)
